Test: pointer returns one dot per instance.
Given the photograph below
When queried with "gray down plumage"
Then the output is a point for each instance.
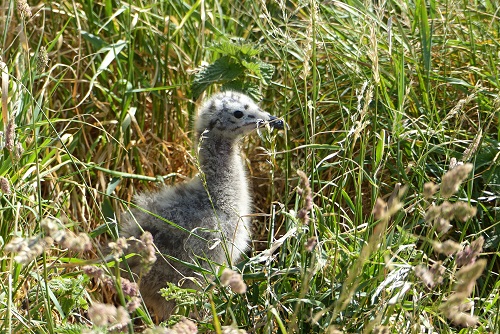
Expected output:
(214, 205)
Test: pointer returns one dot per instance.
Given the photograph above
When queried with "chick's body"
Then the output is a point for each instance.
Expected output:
(212, 208)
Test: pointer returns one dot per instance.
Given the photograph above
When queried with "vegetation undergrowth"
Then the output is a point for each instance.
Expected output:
(376, 208)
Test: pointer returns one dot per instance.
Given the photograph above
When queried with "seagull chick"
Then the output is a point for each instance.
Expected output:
(211, 211)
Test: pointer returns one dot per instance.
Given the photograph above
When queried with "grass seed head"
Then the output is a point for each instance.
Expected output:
(458, 317)
(10, 134)
(381, 330)
(453, 179)
(306, 193)
(18, 151)
(463, 211)
(42, 61)
(5, 186)
(430, 188)
(469, 254)
(448, 247)
(470, 272)
(434, 217)
(431, 276)
(310, 244)
(28, 249)
(379, 209)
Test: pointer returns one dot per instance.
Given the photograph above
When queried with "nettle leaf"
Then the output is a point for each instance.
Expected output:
(69, 329)
(237, 62)
(222, 70)
(260, 69)
(267, 72)
(253, 67)
(224, 48)
(249, 50)
(236, 49)
(248, 88)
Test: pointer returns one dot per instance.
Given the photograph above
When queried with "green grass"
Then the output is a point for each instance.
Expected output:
(374, 94)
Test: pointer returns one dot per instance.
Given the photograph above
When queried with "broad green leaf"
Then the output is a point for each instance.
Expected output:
(220, 71)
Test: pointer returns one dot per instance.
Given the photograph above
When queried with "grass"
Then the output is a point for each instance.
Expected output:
(378, 97)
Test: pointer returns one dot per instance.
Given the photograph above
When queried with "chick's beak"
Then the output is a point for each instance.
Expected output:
(276, 123)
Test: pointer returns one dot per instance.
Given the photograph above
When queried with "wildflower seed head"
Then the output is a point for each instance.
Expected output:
(432, 213)
(234, 280)
(232, 330)
(5, 186)
(185, 326)
(438, 270)
(133, 304)
(454, 163)
(158, 330)
(109, 316)
(129, 288)
(453, 309)
(394, 201)
(148, 253)
(226, 276)
(122, 319)
(456, 298)
(467, 306)
(23, 8)
(109, 283)
(93, 271)
(472, 148)
(118, 247)
(441, 215)
(466, 256)
(99, 314)
(147, 238)
(453, 178)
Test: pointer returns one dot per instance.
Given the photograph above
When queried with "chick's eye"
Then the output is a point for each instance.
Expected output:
(238, 114)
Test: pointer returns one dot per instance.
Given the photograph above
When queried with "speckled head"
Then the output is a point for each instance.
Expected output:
(231, 115)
